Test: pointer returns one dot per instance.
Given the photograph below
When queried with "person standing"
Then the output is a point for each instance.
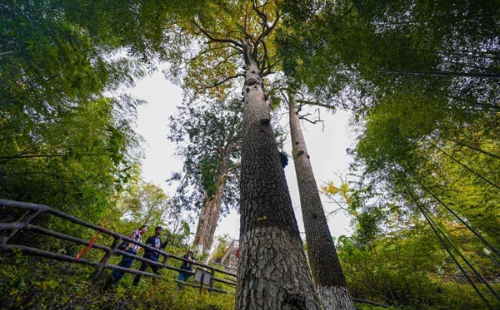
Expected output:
(131, 248)
(153, 241)
(186, 265)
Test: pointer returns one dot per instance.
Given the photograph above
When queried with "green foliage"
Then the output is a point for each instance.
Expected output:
(67, 140)
(395, 258)
(64, 143)
(82, 158)
(435, 60)
(145, 203)
(43, 284)
(408, 269)
(420, 79)
(222, 246)
(208, 138)
(419, 76)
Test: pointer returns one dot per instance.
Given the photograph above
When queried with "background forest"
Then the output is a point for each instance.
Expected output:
(420, 80)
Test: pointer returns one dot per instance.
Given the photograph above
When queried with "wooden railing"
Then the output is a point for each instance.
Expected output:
(226, 267)
(31, 211)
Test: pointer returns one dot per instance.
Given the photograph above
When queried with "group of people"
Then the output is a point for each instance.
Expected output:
(155, 242)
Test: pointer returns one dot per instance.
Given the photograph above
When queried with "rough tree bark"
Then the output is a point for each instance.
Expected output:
(273, 271)
(325, 266)
(209, 214)
(213, 217)
(202, 224)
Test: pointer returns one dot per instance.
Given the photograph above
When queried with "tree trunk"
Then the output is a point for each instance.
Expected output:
(273, 271)
(213, 217)
(202, 223)
(209, 214)
(325, 266)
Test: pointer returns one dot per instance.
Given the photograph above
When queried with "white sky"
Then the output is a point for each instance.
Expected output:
(327, 150)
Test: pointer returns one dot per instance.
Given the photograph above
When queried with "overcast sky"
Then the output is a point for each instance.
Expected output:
(327, 149)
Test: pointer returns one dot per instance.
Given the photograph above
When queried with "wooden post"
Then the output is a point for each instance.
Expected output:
(104, 260)
(201, 280)
(23, 220)
(212, 279)
(165, 259)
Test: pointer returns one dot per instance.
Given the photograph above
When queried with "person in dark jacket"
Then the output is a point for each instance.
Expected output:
(186, 265)
(155, 242)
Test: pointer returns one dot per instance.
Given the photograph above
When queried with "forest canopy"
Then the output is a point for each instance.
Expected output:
(418, 79)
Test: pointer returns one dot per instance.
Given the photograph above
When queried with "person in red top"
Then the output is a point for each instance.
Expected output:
(131, 248)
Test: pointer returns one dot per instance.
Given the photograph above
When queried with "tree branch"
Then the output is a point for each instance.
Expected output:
(223, 81)
(319, 120)
(310, 121)
(270, 28)
(48, 155)
(447, 73)
(265, 57)
(233, 168)
(370, 302)
(236, 44)
(315, 103)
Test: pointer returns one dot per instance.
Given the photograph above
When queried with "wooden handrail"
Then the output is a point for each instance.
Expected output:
(34, 210)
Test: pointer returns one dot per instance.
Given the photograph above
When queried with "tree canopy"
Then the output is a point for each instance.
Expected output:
(421, 79)
(204, 133)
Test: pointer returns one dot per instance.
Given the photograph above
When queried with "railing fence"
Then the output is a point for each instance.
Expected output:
(8, 230)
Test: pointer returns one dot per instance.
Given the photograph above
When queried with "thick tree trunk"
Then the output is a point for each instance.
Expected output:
(213, 217)
(273, 271)
(327, 272)
(202, 223)
(209, 214)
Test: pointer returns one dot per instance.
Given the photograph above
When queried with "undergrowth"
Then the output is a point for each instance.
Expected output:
(36, 283)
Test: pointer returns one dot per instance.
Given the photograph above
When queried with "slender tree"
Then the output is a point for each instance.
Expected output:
(325, 266)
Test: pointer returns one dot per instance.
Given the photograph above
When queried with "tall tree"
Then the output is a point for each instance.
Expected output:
(272, 272)
(269, 235)
(325, 266)
(209, 140)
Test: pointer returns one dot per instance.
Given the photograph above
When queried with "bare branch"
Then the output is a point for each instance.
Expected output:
(235, 44)
(260, 13)
(203, 53)
(311, 121)
(226, 59)
(284, 96)
(330, 197)
(269, 68)
(223, 81)
(267, 29)
(315, 103)
(233, 168)
(332, 213)
(318, 120)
